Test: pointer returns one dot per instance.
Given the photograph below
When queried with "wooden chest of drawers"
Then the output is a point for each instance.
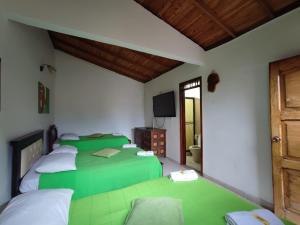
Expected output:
(151, 139)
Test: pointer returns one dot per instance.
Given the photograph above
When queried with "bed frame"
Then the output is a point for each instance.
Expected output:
(26, 151)
(51, 137)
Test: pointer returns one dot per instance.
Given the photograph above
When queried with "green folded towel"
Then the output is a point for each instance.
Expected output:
(155, 211)
(96, 135)
(107, 152)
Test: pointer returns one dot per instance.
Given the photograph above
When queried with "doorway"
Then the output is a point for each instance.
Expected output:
(191, 150)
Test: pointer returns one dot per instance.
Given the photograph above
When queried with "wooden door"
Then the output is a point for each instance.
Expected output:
(285, 129)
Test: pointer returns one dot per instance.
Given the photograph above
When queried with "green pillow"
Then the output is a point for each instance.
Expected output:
(96, 135)
(155, 211)
(107, 152)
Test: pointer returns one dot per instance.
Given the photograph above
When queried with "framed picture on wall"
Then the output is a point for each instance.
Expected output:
(44, 98)
(0, 85)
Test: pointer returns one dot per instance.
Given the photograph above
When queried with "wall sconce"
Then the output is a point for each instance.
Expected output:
(50, 68)
(212, 80)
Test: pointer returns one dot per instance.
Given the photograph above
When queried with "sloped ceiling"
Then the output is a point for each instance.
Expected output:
(210, 23)
(136, 65)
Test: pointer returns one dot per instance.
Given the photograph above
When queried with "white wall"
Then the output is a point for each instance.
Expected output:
(236, 124)
(90, 99)
(22, 50)
(119, 22)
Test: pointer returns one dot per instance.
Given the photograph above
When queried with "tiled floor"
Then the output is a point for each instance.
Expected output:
(191, 163)
(171, 165)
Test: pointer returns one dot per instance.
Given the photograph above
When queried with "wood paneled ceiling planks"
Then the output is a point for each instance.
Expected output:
(133, 64)
(210, 23)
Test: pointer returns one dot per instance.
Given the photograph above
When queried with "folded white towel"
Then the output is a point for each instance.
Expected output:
(129, 146)
(185, 175)
(255, 217)
(145, 153)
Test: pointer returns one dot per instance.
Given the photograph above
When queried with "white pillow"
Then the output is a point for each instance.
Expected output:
(30, 181)
(65, 149)
(69, 136)
(54, 163)
(44, 207)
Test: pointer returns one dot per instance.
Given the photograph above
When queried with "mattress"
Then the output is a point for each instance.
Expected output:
(97, 174)
(96, 143)
(203, 203)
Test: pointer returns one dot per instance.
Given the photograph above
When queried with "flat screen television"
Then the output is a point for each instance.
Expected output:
(164, 105)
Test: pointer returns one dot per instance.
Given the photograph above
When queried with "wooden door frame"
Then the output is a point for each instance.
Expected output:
(182, 120)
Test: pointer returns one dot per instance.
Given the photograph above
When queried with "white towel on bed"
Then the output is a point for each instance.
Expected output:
(184, 175)
(255, 217)
(129, 146)
(145, 153)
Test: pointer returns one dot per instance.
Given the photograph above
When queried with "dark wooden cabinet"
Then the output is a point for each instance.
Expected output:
(151, 139)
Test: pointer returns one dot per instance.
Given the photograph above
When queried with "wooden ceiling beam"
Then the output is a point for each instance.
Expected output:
(267, 8)
(209, 13)
(84, 47)
(98, 61)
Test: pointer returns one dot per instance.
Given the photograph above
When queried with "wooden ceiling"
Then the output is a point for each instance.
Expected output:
(133, 64)
(210, 23)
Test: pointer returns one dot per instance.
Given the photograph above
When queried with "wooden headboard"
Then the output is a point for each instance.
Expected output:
(51, 136)
(26, 151)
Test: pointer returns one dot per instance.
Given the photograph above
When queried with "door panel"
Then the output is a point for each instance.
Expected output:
(285, 129)
(292, 190)
(292, 84)
(293, 137)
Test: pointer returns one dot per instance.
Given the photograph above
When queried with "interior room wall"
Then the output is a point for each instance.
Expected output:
(237, 149)
(22, 49)
(91, 99)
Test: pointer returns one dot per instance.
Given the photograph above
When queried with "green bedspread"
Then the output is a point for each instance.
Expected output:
(88, 143)
(97, 175)
(203, 203)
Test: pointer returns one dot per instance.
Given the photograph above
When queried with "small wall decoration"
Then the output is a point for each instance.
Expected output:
(212, 80)
(44, 95)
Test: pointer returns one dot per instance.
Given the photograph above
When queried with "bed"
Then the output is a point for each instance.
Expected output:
(87, 142)
(93, 175)
(203, 203)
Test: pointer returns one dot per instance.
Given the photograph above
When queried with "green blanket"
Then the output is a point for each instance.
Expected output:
(203, 203)
(97, 174)
(88, 143)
